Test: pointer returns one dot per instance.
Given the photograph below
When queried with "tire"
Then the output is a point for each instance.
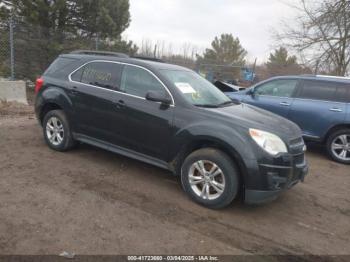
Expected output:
(63, 140)
(228, 179)
(339, 139)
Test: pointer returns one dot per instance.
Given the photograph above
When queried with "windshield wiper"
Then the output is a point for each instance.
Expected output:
(225, 103)
(206, 105)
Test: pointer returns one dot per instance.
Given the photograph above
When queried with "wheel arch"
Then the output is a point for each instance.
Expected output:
(47, 107)
(334, 129)
(53, 98)
(208, 142)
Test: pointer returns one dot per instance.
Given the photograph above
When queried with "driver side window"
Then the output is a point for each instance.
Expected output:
(278, 88)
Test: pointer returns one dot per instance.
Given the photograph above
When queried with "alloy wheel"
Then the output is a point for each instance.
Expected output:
(341, 147)
(206, 179)
(54, 131)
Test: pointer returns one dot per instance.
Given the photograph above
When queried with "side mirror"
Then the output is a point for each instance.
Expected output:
(251, 92)
(158, 97)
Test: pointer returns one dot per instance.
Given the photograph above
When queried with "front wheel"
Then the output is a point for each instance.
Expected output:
(210, 178)
(338, 146)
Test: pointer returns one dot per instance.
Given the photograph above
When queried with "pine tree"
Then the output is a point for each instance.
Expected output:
(280, 63)
(225, 50)
(46, 28)
(280, 57)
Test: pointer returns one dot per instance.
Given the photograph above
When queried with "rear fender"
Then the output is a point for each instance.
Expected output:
(54, 95)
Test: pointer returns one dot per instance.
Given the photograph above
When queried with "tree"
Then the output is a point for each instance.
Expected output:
(119, 45)
(108, 18)
(46, 28)
(225, 50)
(280, 57)
(280, 63)
(322, 34)
(224, 59)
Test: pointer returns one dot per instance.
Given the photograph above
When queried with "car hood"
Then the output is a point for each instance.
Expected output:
(242, 92)
(252, 117)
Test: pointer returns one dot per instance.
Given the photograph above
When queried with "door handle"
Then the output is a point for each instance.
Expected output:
(74, 90)
(120, 104)
(335, 109)
(285, 104)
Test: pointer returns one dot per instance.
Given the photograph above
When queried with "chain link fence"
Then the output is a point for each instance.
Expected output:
(6, 50)
(27, 50)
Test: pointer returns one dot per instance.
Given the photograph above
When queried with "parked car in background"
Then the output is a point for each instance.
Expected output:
(227, 87)
(171, 117)
(319, 105)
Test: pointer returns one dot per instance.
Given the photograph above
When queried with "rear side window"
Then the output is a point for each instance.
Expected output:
(59, 65)
(77, 75)
(343, 93)
(137, 81)
(102, 74)
(323, 90)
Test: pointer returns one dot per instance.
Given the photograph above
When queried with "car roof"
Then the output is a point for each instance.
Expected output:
(339, 79)
(149, 64)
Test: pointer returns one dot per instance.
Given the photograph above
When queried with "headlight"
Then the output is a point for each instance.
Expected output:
(271, 143)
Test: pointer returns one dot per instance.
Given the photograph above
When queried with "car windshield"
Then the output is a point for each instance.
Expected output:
(197, 90)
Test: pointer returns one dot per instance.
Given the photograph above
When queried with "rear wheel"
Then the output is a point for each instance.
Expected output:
(210, 178)
(338, 146)
(57, 132)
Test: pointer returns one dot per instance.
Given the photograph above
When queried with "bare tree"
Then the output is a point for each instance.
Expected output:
(322, 34)
(185, 55)
(147, 48)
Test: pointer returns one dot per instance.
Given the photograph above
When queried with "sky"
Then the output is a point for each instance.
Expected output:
(197, 22)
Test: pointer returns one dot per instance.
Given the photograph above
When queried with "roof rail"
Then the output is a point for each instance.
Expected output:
(310, 75)
(149, 58)
(337, 77)
(102, 53)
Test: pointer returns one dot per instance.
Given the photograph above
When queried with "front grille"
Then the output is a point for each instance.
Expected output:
(299, 159)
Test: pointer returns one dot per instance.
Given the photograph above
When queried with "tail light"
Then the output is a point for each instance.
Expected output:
(38, 85)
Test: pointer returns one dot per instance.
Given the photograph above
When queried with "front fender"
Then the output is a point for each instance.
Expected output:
(233, 140)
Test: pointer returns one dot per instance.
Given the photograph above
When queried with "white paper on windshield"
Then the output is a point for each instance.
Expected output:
(185, 88)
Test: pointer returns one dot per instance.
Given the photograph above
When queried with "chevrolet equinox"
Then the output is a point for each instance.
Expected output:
(170, 117)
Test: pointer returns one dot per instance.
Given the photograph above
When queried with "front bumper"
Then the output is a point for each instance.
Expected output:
(278, 179)
(270, 176)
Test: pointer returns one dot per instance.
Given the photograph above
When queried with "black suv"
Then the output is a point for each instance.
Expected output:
(171, 117)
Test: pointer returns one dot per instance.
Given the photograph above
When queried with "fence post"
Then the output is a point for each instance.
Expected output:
(96, 42)
(12, 50)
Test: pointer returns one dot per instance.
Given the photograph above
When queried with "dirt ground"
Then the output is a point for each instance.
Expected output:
(90, 201)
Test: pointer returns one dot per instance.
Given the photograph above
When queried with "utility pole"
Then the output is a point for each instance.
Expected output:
(12, 49)
(254, 68)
